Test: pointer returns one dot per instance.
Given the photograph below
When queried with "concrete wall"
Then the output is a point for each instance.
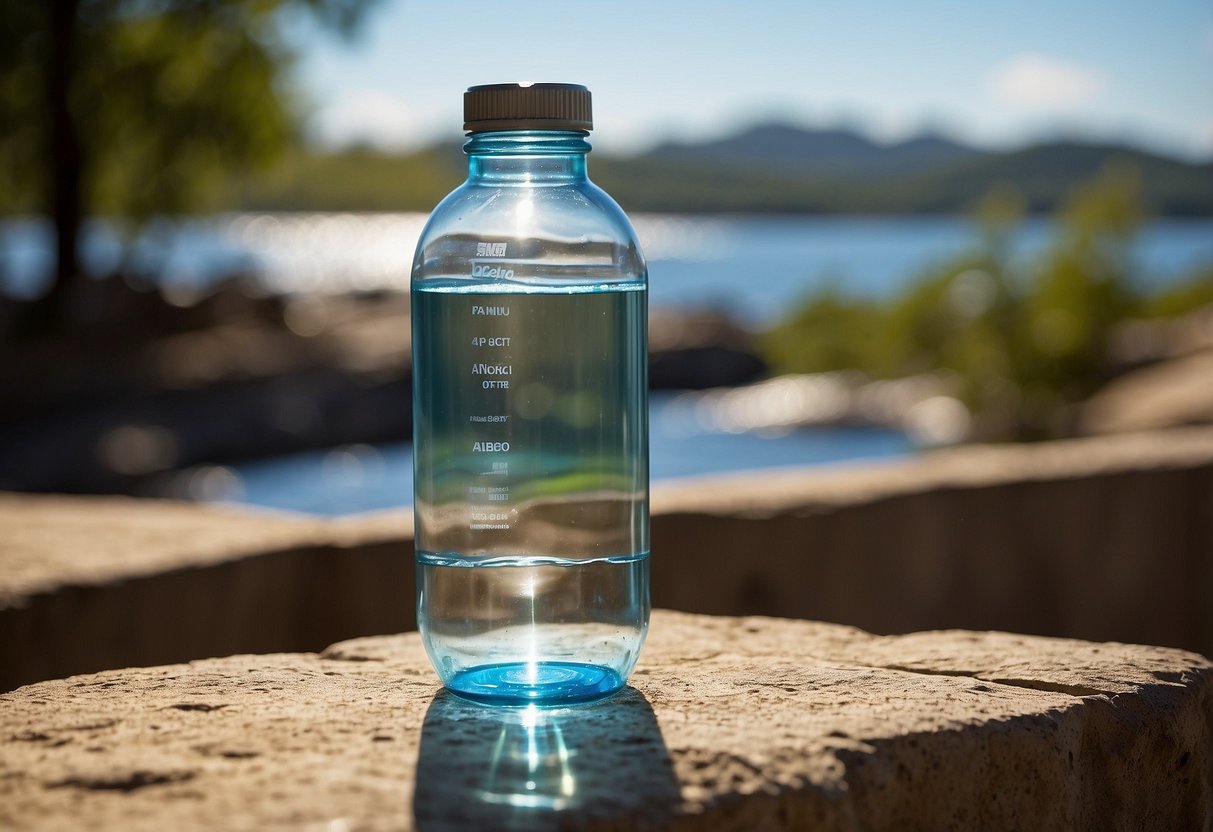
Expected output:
(1101, 539)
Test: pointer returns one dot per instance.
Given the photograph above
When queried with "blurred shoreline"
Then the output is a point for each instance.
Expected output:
(155, 388)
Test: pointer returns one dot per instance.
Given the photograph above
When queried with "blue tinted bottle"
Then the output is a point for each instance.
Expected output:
(529, 311)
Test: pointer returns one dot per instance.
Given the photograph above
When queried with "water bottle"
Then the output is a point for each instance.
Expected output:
(530, 413)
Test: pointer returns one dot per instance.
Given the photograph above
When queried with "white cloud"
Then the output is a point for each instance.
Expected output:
(1038, 82)
(372, 117)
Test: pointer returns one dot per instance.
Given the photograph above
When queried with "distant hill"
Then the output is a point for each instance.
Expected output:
(1045, 173)
(770, 169)
(789, 169)
(792, 150)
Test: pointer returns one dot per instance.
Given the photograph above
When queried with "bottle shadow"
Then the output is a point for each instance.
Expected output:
(535, 768)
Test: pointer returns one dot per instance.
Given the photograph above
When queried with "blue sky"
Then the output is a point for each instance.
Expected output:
(998, 74)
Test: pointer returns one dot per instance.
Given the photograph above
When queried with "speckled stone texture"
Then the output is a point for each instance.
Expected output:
(730, 723)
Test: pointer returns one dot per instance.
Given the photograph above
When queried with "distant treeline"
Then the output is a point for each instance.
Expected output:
(750, 173)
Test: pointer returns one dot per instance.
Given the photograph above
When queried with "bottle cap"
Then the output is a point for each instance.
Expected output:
(527, 106)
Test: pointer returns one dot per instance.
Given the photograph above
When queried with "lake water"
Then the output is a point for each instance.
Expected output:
(756, 268)
(753, 266)
(358, 478)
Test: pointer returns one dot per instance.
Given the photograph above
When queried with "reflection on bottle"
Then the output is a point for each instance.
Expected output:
(541, 768)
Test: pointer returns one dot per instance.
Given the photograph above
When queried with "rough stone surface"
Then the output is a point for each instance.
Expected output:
(731, 723)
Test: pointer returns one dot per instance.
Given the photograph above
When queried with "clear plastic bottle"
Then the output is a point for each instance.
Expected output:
(530, 413)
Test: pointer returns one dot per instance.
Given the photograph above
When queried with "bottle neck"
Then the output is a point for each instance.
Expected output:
(531, 157)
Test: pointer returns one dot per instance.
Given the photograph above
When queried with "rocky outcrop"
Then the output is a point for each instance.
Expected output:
(700, 349)
(151, 388)
(1172, 393)
(1164, 376)
(742, 724)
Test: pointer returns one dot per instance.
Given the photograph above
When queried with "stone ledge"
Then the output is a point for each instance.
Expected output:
(964, 467)
(88, 583)
(52, 541)
(730, 724)
(1102, 539)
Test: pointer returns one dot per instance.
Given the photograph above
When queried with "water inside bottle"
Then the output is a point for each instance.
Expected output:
(515, 632)
(531, 486)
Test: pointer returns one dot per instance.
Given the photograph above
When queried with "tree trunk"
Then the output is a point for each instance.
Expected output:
(65, 160)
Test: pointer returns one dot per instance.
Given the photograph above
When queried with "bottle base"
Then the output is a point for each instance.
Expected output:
(535, 683)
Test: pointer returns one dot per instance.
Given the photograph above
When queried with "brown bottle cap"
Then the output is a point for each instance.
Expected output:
(527, 107)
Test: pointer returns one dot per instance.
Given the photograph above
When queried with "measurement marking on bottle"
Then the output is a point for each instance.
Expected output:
(490, 249)
(489, 520)
(485, 270)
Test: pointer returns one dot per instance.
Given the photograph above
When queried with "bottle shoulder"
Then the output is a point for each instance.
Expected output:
(573, 229)
(567, 208)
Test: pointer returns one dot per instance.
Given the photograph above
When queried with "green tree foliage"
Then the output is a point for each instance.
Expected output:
(829, 332)
(1080, 290)
(21, 95)
(1026, 347)
(358, 179)
(1195, 293)
(132, 108)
